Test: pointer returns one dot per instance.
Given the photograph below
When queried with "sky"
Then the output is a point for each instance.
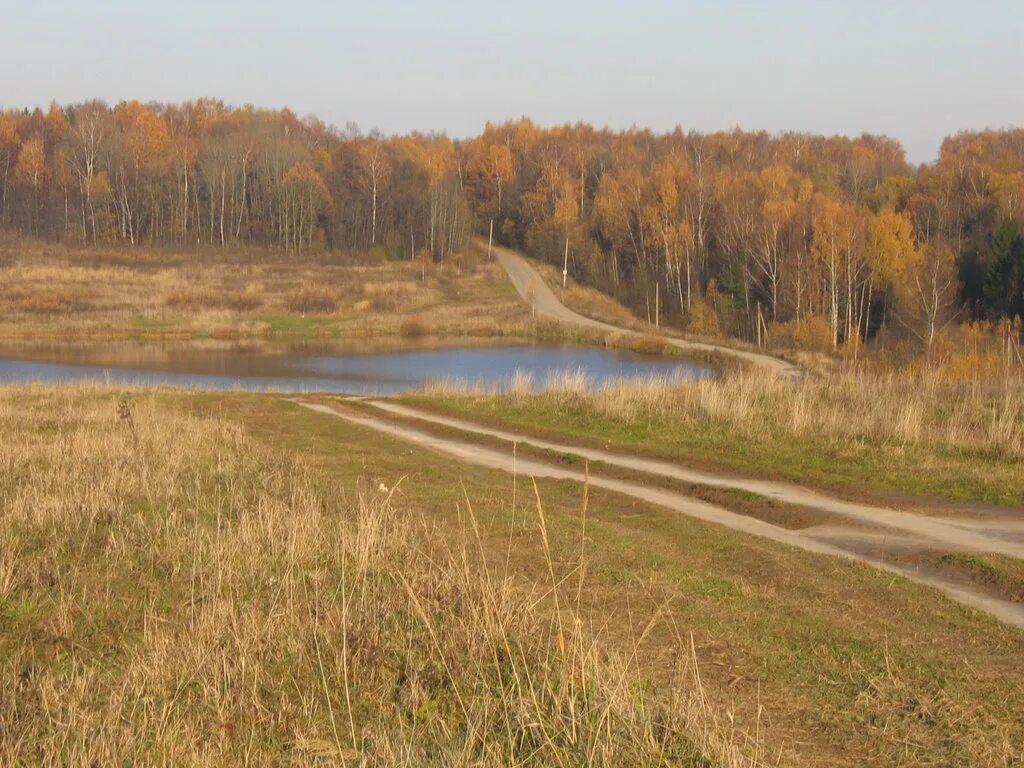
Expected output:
(916, 70)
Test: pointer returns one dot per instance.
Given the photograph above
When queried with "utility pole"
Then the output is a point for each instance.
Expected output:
(490, 239)
(565, 263)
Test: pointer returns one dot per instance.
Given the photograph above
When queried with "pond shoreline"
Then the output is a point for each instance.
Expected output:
(350, 368)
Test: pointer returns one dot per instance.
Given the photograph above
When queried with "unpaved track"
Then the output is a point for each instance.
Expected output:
(967, 534)
(506, 461)
(536, 292)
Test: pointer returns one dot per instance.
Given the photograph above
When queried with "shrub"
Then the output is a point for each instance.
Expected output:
(413, 328)
(312, 301)
(243, 301)
(703, 319)
(648, 344)
(812, 334)
(191, 299)
(51, 302)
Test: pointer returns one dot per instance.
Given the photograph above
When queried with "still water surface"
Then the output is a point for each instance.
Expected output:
(325, 369)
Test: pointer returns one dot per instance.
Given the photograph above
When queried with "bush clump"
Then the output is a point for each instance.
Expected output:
(811, 334)
(703, 319)
(312, 301)
(648, 344)
(51, 302)
(413, 328)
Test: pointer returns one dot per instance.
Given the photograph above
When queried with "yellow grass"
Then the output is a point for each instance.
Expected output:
(919, 407)
(174, 593)
(54, 291)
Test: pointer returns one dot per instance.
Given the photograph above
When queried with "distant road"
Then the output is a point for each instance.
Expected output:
(888, 531)
(535, 291)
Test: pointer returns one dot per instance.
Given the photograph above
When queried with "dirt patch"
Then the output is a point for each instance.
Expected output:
(996, 576)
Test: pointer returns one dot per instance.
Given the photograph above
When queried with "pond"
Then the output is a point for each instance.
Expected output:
(326, 369)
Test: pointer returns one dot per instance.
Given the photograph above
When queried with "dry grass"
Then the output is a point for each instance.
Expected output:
(58, 301)
(320, 301)
(245, 300)
(915, 431)
(648, 344)
(49, 290)
(413, 328)
(905, 408)
(174, 593)
(588, 301)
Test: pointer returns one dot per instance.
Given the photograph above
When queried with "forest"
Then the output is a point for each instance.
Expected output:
(824, 242)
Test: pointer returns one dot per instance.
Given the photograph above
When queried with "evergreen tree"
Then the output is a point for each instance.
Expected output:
(1004, 282)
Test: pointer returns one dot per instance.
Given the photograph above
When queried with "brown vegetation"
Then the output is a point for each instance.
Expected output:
(312, 301)
(648, 344)
(413, 328)
(174, 592)
(741, 233)
(952, 428)
(60, 291)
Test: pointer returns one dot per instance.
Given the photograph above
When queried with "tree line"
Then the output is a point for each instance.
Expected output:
(746, 233)
(204, 174)
(760, 233)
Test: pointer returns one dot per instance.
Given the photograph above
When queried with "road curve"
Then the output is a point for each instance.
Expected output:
(536, 292)
(506, 461)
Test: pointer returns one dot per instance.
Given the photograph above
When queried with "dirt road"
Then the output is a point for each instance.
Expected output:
(536, 292)
(969, 535)
(810, 539)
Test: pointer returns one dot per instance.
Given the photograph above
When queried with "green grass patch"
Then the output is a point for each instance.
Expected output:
(850, 465)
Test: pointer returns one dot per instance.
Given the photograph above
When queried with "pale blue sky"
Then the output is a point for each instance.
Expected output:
(914, 69)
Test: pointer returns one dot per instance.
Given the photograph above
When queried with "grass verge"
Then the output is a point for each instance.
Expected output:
(899, 432)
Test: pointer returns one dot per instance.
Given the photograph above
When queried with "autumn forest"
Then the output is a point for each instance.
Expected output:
(825, 241)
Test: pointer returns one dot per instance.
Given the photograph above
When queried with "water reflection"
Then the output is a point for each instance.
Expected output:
(322, 368)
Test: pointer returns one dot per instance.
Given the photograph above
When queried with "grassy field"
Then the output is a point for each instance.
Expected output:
(208, 579)
(167, 294)
(854, 429)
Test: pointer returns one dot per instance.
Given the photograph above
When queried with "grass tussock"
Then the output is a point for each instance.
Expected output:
(320, 301)
(172, 592)
(390, 295)
(413, 328)
(648, 344)
(247, 299)
(60, 301)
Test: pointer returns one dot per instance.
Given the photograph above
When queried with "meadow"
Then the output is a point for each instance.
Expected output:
(50, 290)
(207, 579)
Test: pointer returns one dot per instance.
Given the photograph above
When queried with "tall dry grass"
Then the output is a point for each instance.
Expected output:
(916, 406)
(172, 592)
(48, 290)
